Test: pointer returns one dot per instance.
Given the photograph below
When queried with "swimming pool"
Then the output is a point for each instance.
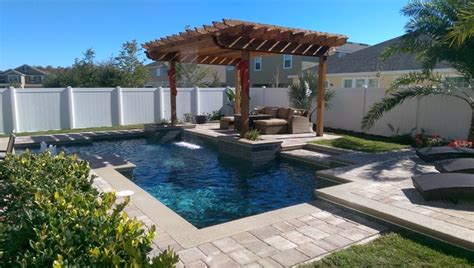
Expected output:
(206, 189)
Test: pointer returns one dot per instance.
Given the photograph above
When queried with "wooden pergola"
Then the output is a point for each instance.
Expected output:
(235, 42)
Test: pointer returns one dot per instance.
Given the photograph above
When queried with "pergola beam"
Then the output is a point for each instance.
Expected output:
(233, 41)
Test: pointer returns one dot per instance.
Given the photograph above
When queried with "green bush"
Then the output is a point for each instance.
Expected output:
(51, 215)
(252, 135)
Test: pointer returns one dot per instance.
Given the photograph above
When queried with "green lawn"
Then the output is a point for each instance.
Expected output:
(367, 143)
(76, 130)
(398, 250)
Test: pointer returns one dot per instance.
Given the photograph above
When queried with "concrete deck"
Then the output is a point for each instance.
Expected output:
(279, 238)
(384, 190)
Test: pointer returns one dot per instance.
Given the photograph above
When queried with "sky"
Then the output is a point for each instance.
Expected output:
(55, 32)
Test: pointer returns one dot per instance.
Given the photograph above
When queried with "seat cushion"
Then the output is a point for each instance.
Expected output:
(271, 122)
(282, 113)
(458, 165)
(227, 119)
(272, 111)
(445, 186)
(430, 154)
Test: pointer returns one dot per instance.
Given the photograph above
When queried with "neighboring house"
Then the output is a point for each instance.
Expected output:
(364, 68)
(282, 70)
(24, 76)
(159, 74)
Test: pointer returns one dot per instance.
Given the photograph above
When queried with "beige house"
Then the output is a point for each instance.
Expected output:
(24, 76)
(159, 74)
(281, 70)
(364, 68)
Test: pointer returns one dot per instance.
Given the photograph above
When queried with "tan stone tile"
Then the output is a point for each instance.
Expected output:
(269, 263)
(284, 226)
(190, 255)
(354, 234)
(311, 250)
(262, 249)
(243, 256)
(329, 228)
(196, 264)
(296, 237)
(279, 242)
(322, 214)
(338, 240)
(253, 265)
(312, 232)
(227, 244)
(245, 238)
(306, 218)
(290, 257)
(220, 260)
(296, 223)
(265, 232)
(325, 245)
(208, 249)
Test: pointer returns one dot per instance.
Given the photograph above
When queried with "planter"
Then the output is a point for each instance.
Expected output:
(200, 119)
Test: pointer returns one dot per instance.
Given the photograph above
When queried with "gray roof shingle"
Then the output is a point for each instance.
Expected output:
(367, 60)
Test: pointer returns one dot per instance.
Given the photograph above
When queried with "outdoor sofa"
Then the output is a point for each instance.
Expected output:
(283, 120)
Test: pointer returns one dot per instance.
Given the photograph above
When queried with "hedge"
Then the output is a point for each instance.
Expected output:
(51, 215)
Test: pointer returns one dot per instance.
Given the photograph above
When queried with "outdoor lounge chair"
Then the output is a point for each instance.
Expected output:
(457, 165)
(9, 149)
(431, 154)
(445, 186)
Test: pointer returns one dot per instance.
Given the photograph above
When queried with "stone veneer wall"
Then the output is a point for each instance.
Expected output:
(256, 153)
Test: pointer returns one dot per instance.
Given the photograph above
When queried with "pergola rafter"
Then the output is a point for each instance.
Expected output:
(234, 42)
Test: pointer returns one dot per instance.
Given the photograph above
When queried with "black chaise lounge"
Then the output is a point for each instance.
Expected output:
(449, 186)
(431, 154)
(457, 165)
(9, 149)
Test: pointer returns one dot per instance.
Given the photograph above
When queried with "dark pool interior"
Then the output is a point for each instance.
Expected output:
(191, 178)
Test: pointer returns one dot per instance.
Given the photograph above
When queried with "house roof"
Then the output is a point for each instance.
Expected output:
(222, 43)
(30, 70)
(351, 47)
(367, 60)
(11, 71)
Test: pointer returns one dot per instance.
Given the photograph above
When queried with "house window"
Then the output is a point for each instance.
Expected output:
(13, 78)
(162, 71)
(257, 64)
(230, 68)
(287, 61)
(25, 68)
(347, 83)
(359, 82)
(373, 82)
(32, 79)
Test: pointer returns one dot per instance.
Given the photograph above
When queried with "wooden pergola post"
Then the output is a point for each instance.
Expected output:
(244, 124)
(237, 91)
(320, 99)
(174, 92)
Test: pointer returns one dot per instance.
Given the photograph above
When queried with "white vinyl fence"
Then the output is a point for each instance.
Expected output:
(442, 115)
(25, 110)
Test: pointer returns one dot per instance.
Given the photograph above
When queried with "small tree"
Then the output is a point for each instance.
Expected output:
(191, 74)
(304, 93)
(133, 72)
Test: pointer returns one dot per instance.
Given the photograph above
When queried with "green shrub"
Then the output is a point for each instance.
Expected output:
(252, 135)
(51, 215)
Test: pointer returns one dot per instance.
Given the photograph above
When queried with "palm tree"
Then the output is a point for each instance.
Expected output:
(303, 94)
(438, 30)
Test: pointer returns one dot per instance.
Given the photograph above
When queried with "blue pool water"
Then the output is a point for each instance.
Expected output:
(194, 181)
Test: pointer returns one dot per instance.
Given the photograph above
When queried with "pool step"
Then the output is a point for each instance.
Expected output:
(311, 157)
